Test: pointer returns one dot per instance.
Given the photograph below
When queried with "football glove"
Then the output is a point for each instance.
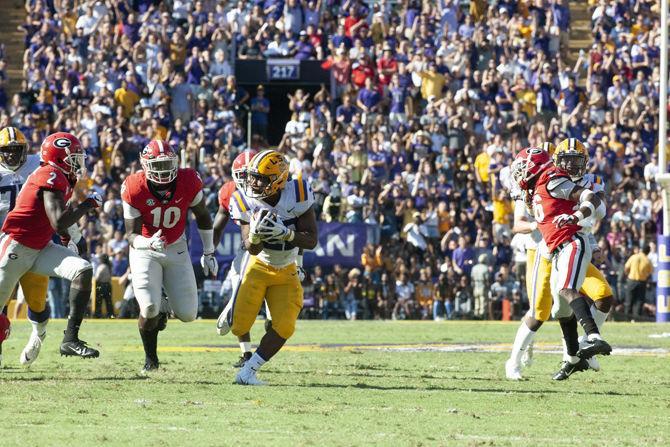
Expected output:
(254, 237)
(156, 242)
(301, 273)
(565, 219)
(210, 266)
(272, 228)
(94, 200)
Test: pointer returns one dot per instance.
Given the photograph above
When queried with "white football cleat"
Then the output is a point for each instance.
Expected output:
(247, 376)
(512, 370)
(527, 356)
(593, 362)
(32, 349)
(222, 326)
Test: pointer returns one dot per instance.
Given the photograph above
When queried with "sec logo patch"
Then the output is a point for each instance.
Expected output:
(151, 202)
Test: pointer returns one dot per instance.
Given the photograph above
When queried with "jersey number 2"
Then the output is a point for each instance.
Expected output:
(166, 220)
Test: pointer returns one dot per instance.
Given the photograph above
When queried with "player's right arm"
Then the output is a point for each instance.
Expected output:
(251, 247)
(60, 216)
(133, 220)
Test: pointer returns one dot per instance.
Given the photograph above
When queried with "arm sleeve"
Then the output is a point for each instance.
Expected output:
(197, 199)
(129, 211)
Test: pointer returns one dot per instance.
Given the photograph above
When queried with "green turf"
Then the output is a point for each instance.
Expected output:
(337, 396)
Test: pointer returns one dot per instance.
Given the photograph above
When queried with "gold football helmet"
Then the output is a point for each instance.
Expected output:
(13, 148)
(571, 156)
(549, 147)
(267, 174)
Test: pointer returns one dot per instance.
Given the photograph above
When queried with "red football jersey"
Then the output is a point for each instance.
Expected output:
(546, 207)
(225, 192)
(168, 215)
(28, 223)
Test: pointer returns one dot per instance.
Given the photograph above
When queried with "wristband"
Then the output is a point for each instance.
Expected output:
(254, 239)
(298, 261)
(579, 215)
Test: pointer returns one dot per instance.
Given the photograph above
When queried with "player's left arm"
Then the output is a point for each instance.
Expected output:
(60, 216)
(204, 222)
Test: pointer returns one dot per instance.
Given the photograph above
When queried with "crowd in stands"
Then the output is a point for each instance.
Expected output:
(432, 99)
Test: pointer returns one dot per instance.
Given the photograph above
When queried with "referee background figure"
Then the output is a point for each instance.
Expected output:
(638, 270)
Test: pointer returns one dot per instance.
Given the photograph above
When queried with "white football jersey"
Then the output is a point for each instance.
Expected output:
(296, 199)
(11, 183)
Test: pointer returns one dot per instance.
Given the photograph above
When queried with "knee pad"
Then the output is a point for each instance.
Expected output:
(150, 311)
(188, 317)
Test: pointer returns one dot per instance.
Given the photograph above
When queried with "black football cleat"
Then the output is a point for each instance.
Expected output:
(78, 348)
(243, 359)
(268, 325)
(594, 347)
(150, 365)
(568, 368)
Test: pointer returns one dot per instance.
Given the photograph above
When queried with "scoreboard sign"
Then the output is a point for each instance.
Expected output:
(283, 69)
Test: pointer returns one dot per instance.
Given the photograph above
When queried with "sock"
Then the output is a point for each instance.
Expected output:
(581, 309)
(39, 320)
(569, 329)
(78, 303)
(599, 317)
(524, 337)
(566, 356)
(245, 346)
(255, 362)
(150, 343)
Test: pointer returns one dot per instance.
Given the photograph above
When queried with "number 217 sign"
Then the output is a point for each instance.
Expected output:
(283, 69)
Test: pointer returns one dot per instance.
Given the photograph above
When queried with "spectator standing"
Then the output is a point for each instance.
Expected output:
(638, 270)
(103, 287)
(480, 284)
(353, 292)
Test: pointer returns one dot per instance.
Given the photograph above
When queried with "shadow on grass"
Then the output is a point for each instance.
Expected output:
(366, 386)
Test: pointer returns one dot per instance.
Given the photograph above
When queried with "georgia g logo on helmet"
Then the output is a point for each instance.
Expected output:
(62, 143)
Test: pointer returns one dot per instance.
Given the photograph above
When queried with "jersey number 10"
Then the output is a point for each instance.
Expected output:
(167, 219)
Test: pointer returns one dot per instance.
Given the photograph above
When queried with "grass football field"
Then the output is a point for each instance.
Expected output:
(337, 383)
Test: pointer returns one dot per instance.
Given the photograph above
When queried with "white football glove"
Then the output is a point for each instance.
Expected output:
(565, 219)
(209, 264)
(156, 242)
(254, 237)
(301, 273)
